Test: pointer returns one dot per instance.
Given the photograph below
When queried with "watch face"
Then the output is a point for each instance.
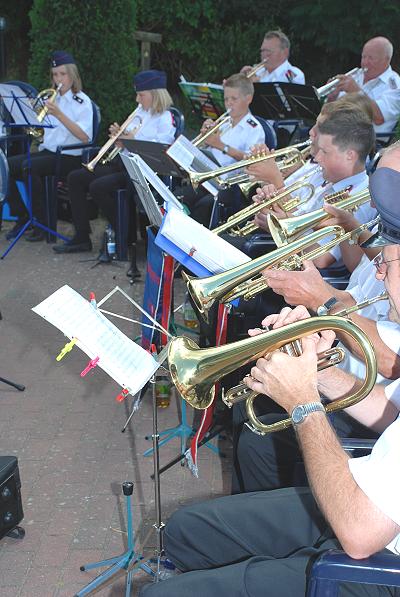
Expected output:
(297, 414)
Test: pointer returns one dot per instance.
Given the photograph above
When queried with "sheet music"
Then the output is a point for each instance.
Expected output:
(146, 197)
(189, 157)
(208, 249)
(121, 358)
(18, 105)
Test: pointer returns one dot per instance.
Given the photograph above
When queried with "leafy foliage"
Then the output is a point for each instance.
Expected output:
(99, 34)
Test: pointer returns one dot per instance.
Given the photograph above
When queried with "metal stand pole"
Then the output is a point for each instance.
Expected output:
(130, 562)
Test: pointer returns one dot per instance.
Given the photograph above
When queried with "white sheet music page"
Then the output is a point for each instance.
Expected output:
(208, 249)
(121, 358)
(188, 156)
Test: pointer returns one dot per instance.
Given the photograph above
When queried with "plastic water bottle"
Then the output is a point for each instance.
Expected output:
(168, 570)
(163, 391)
(110, 236)
(189, 316)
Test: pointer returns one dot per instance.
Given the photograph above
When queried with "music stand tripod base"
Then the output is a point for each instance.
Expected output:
(127, 563)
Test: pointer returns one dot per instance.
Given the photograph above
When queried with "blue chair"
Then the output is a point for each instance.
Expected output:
(53, 181)
(334, 567)
(179, 121)
(271, 140)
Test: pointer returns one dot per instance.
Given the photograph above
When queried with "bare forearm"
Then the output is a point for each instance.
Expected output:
(375, 411)
(377, 115)
(388, 361)
(343, 503)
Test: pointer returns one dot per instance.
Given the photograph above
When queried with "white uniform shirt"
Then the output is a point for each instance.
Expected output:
(77, 107)
(385, 91)
(363, 285)
(246, 133)
(315, 178)
(153, 127)
(285, 73)
(378, 477)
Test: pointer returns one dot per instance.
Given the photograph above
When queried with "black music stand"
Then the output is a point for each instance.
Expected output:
(155, 156)
(24, 116)
(285, 101)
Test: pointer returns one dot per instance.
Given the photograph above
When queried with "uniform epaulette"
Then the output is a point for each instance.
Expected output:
(251, 122)
(78, 99)
(392, 83)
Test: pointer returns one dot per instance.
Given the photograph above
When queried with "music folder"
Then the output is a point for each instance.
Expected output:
(285, 101)
(155, 156)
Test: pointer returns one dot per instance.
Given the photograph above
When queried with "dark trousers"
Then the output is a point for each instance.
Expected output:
(41, 164)
(102, 185)
(252, 545)
(274, 460)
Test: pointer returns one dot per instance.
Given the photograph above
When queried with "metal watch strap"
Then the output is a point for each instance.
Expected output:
(303, 410)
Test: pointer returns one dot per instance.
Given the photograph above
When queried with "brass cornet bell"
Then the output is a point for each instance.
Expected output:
(283, 230)
(195, 371)
(41, 109)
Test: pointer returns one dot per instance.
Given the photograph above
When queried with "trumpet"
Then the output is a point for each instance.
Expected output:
(330, 357)
(41, 108)
(282, 230)
(254, 286)
(329, 87)
(195, 371)
(290, 157)
(232, 224)
(93, 163)
(234, 283)
(225, 117)
(245, 181)
(255, 68)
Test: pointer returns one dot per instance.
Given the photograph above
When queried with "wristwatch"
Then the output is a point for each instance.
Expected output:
(301, 412)
(226, 149)
(326, 307)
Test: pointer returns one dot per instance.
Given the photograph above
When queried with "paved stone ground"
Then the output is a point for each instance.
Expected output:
(66, 432)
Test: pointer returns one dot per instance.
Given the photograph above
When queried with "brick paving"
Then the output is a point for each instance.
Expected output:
(66, 432)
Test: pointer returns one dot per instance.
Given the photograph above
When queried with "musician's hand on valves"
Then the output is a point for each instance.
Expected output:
(53, 109)
(113, 129)
(287, 379)
(287, 315)
(340, 217)
(306, 287)
(347, 84)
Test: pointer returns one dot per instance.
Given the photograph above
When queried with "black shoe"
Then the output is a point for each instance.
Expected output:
(74, 246)
(13, 233)
(35, 236)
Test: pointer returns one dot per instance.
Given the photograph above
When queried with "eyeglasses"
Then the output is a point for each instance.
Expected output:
(379, 262)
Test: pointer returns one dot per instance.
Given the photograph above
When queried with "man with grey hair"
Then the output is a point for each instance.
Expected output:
(378, 81)
(275, 52)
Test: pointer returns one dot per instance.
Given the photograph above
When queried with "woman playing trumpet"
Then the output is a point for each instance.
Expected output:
(71, 119)
(151, 122)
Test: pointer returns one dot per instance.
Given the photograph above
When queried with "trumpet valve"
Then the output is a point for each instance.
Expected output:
(236, 394)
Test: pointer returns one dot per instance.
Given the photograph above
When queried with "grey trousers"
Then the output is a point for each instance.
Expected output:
(248, 545)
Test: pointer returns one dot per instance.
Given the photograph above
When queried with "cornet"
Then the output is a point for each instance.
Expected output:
(329, 87)
(282, 230)
(40, 107)
(93, 163)
(225, 117)
(195, 371)
(256, 67)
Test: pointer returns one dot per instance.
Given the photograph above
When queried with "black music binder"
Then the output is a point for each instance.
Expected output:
(155, 156)
(285, 101)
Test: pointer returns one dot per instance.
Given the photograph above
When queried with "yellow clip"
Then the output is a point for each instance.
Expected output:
(67, 348)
